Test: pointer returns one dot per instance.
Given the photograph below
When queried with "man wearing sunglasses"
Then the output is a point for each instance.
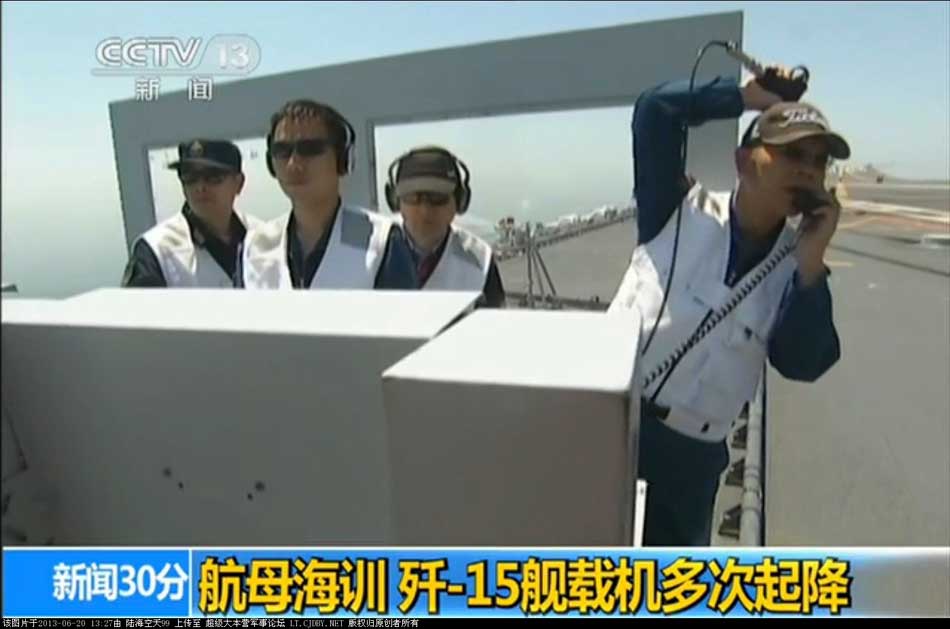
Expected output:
(719, 246)
(199, 246)
(321, 242)
(428, 188)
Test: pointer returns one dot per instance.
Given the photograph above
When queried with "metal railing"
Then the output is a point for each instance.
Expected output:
(552, 302)
(752, 519)
(505, 251)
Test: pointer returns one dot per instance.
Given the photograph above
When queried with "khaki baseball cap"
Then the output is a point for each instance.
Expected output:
(784, 123)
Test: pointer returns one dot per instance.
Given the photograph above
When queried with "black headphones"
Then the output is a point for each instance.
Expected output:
(344, 154)
(463, 192)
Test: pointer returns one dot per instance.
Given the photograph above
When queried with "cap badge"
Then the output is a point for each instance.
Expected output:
(802, 115)
(197, 149)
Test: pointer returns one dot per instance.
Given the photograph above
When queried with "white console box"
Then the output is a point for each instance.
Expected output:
(517, 428)
(212, 417)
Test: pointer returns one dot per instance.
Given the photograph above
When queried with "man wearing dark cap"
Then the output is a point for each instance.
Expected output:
(429, 187)
(199, 246)
(733, 258)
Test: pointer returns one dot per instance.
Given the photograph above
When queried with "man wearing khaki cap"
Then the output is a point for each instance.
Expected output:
(723, 282)
(429, 187)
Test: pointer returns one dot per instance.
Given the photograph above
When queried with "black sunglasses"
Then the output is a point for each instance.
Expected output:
(429, 198)
(211, 177)
(304, 148)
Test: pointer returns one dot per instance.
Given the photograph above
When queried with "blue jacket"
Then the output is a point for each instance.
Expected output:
(804, 342)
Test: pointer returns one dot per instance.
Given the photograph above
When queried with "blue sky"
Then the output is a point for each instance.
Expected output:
(879, 70)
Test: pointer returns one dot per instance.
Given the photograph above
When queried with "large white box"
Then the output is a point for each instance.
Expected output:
(517, 428)
(210, 417)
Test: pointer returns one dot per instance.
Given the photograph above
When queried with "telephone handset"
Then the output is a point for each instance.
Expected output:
(806, 201)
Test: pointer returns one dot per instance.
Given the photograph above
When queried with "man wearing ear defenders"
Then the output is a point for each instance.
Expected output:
(718, 245)
(321, 242)
(199, 246)
(428, 188)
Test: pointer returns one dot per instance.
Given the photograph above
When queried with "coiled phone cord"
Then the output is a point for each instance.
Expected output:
(683, 147)
(715, 317)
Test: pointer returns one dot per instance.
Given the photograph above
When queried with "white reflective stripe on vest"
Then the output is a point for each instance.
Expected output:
(183, 264)
(717, 376)
(463, 265)
(355, 250)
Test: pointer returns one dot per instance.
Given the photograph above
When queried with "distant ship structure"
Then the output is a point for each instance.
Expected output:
(514, 239)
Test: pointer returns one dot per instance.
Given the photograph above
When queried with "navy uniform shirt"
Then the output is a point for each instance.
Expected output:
(144, 271)
(804, 343)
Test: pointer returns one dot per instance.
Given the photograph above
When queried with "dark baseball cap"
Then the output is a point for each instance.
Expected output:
(784, 123)
(209, 154)
(427, 170)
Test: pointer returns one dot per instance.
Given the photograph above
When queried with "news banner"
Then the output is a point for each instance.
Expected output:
(360, 587)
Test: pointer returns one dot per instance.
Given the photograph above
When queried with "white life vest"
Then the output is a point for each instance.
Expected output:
(712, 382)
(463, 265)
(183, 264)
(355, 250)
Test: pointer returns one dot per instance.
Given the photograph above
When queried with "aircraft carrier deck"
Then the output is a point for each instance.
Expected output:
(861, 457)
